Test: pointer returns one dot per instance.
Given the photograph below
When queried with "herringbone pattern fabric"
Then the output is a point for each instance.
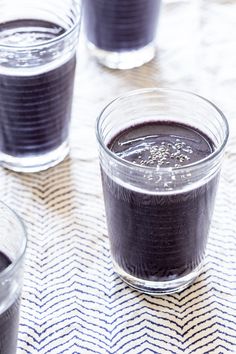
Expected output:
(72, 300)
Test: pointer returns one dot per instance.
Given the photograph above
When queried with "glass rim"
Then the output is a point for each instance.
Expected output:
(161, 169)
(22, 250)
(67, 32)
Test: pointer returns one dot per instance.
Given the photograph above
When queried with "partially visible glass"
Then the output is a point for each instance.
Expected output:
(121, 33)
(13, 241)
(159, 217)
(38, 41)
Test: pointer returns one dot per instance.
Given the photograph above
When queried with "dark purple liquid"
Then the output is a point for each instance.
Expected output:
(154, 236)
(35, 109)
(119, 25)
(8, 319)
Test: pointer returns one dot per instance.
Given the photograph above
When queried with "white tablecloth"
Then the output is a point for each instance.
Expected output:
(73, 302)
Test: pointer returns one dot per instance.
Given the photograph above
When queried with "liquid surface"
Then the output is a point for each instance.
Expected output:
(34, 109)
(117, 25)
(28, 32)
(159, 237)
(163, 144)
(8, 319)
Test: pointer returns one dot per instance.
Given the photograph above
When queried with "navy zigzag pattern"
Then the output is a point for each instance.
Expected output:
(72, 301)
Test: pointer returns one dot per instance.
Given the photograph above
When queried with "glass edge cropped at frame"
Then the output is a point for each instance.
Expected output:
(75, 26)
(163, 170)
(21, 253)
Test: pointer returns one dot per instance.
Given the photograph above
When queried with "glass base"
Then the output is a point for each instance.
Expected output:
(125, 59)
(157, 287)
(35, 163)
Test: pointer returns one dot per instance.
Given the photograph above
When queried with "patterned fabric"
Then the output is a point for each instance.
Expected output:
(73, 302)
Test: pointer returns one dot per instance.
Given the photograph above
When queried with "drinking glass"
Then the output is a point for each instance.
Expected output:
(121, 33)
(159, 217)
(38, 42)
(13, 242)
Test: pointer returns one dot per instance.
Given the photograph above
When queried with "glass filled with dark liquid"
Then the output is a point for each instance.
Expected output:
(13, 242)
(37, 67)
(160, 157)
(121, 33)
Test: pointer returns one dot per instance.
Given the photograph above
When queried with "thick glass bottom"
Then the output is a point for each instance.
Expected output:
(157, 287)
(35, 163)
(125, 59)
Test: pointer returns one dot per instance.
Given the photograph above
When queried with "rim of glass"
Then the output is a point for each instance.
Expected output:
(21, 252)
(198, 163)
(75, 25)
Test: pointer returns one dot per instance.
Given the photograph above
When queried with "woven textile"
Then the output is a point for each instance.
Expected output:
(73, 302)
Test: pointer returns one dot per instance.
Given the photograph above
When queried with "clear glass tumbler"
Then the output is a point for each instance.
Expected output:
(121, 33)
(159, 217)
(38, 42)
(13, 242)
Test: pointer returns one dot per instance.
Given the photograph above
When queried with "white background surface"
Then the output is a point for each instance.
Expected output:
(72, 300)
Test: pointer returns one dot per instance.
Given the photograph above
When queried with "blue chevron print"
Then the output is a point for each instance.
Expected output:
(72, 301)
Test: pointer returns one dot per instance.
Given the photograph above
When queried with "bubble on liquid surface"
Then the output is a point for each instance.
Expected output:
(163, 154)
